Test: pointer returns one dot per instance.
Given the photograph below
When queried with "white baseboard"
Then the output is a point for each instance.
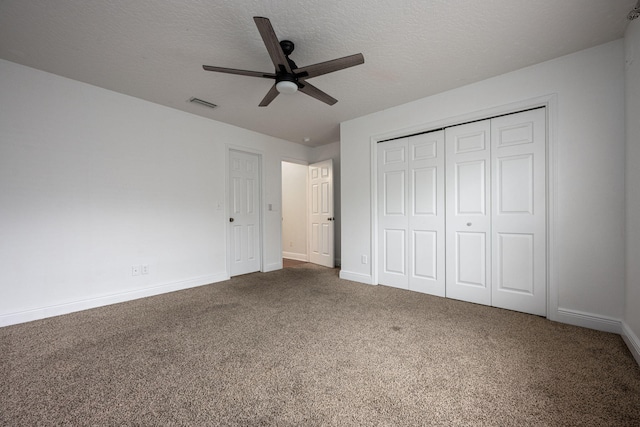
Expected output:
(71, 307)
(589, 320)
(356, 277)
(632, 341)
(295, 256)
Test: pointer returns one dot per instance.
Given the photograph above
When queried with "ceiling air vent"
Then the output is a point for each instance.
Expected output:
(202, 102)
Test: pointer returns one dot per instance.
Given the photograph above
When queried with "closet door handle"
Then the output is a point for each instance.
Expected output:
(231, 220)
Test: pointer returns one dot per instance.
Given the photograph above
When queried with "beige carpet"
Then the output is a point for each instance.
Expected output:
(300, 347)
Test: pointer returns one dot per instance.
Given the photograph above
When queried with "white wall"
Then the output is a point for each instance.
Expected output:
(294, 211)
(93, 182)
(588, 133)
(632, 96)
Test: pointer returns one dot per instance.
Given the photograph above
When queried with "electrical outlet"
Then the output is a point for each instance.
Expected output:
(290, 244)
(364, 259)
(144, 269)
(135, 270)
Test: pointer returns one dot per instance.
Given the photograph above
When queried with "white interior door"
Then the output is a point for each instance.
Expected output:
(518, 222)
(411, 212)
(244, 207)
(468, 223)
(321, 227)
(393, 218)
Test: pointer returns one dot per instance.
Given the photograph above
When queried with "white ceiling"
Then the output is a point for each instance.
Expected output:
(155, 49)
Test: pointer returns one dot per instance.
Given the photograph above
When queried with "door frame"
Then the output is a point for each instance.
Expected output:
(550, 102)
(306, 202)
(262, 239)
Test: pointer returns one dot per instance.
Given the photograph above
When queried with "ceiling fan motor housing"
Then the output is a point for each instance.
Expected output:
(287, 47)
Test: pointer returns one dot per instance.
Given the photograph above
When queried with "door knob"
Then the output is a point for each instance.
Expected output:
(468, 224)
(331, 219)
(231, 219)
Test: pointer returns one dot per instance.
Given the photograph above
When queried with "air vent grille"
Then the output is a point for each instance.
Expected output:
(202, 102)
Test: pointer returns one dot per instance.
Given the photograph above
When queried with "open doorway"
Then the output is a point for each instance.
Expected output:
(310, 213)
(294, 213)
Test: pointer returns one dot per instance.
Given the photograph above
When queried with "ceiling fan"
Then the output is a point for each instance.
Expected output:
(288, 77)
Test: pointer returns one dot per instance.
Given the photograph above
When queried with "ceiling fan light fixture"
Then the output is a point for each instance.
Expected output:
(287, 86)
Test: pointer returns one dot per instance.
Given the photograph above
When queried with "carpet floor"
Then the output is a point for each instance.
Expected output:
(300, 347)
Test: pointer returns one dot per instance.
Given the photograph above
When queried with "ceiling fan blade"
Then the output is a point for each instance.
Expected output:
(316, 93)
(271, 42)
(270, 96)
(329, 66)
(239, 72)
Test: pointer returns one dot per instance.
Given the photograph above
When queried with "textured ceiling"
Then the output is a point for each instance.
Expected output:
(155, 49)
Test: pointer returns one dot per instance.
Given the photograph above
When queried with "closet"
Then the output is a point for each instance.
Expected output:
(461, 212)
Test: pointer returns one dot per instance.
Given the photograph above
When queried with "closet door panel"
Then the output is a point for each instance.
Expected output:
(514, 263)
(393, 218)
(518, 145)
(394, 257)
(426, 213)
(411, 213)
(470, 188)
(425, 255)
(515, 182)
(470, 259)
(468, 217)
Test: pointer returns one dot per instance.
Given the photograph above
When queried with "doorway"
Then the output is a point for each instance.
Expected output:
(308, 221)
(294, 211)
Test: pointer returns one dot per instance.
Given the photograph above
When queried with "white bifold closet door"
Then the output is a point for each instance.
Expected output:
(468, 164)
(518, 221)
(496, 233)
(480, 184)
(411, 213)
